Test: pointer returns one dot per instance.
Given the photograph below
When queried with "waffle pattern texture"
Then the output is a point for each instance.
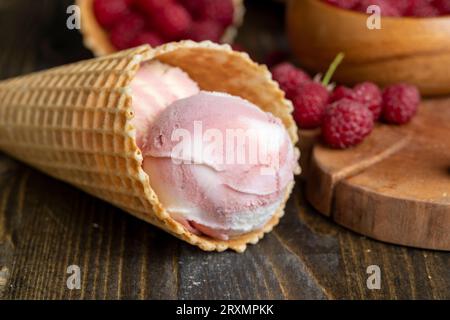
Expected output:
(73, 123)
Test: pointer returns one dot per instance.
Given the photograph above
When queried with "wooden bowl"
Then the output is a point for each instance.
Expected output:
(96, 38)
(412, 50)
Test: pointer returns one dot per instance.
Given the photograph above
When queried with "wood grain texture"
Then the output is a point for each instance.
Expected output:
(403, 50)
(395, 186)
(46, 225)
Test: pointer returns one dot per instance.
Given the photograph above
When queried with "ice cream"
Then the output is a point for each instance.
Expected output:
(218, 163)
(155, 86)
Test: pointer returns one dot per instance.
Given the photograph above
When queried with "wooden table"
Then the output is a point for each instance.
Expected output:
(46, 225)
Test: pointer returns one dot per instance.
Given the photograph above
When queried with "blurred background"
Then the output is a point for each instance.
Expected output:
(34, 36)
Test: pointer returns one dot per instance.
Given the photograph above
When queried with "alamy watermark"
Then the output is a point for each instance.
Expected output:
(232, 147)
(374, 280)
(374, 20)
(73, 282)
(73, 22)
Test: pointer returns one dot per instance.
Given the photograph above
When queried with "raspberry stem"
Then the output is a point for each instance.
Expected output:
(331, 70)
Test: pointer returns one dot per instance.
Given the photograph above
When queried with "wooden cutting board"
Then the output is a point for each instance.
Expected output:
(395, 186)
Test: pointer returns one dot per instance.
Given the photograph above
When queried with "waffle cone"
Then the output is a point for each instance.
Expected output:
(96, 39)
(73, 123)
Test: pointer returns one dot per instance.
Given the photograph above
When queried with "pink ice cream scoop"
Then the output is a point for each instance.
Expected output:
(155, 86)
(219, 165)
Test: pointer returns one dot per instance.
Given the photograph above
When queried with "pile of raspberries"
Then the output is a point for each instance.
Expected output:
(345, 115)
(134, 22)
(398, 8)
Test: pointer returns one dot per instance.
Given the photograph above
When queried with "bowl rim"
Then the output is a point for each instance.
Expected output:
(361, 14)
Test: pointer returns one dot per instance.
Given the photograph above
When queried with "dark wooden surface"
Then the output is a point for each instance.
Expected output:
(46, 225)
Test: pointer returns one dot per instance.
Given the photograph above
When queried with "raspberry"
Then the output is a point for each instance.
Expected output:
(370, 95)
(205, 30)
(346, 123)
(123, 33)
(289, 78)
(387, 9)
(221, 11)
(151, 7)
(421, 8)
(443, 6)
(172, 21)
(342, 92)
(344, 4)
(400, 103)
(401, 5)
(147, 37)
(193, 6)
(108, 12)
(309, 105)
(366, 93)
